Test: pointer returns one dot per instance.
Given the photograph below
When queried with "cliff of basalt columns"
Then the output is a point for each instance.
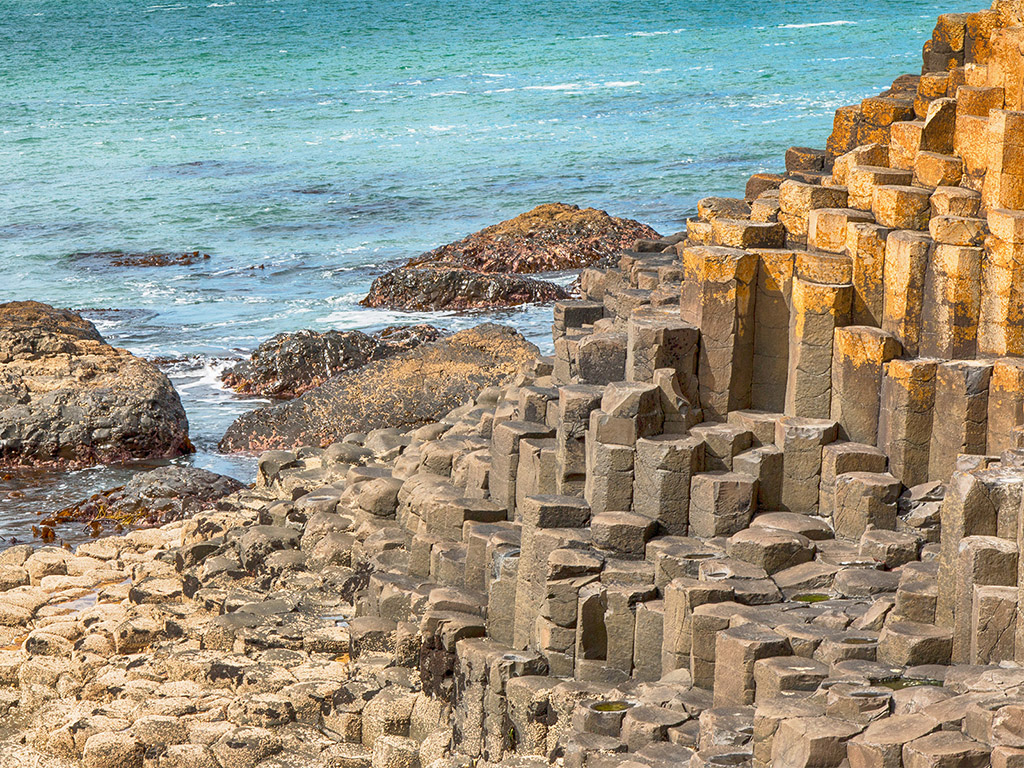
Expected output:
(761, 508)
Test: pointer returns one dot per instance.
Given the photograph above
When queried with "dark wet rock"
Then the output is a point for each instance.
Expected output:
(550, 238)
(439, 287)
(152, 259)
(409, 389)
(159, 496)
(290, 364)
(69, 398)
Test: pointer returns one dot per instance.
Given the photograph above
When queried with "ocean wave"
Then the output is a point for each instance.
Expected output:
(622, 83)
(449, 93)
(840, 23)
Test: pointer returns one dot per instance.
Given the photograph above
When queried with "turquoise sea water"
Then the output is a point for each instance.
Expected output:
(306, 146)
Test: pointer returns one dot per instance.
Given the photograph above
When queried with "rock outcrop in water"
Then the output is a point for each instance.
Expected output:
(290, 364)
(409, 389)
(156, 497)
(480, 270)
(69, 398)
(763, 508)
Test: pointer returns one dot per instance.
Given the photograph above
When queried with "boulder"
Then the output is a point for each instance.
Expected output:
(68, 398)
(409, 389)
(476, 271)
(158, 496)
(290, 364)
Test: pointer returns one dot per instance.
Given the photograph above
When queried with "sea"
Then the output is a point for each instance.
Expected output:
(308, 146)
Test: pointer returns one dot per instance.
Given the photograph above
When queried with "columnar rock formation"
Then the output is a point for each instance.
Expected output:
(763, 507)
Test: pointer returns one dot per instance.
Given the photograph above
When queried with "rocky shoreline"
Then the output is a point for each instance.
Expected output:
(764, 506)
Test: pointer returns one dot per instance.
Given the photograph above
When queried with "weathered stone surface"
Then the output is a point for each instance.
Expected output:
(412, 388)
(290, 364)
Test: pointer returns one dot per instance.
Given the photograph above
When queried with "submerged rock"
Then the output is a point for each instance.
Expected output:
(162, 495)
(290, 364)
(475, 271)
(151, 259)
(411, 388)
(69, 398)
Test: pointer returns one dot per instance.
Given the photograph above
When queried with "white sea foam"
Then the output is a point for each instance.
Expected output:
(491, 74)
(839, 23)
(657, 33)
(621, 83)
(449, 93)
(559, 87)
(206, 375)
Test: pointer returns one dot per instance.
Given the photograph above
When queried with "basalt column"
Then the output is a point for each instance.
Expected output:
(718, 298)
(818, 309)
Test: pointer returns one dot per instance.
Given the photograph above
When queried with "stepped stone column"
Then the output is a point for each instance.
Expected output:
(505, 458)
(629, 410)
(966, 511)
(718, 298)
(1005, 403)
(771, 328)
(993, 620)
(841, 458)
(858, 360)
(658, 338)
(818, 309)
(1001, 324)
(801, 441)
(961, 407)
(1004, 176)
(575, 403)
(905, 417)
(906, 265)
(541, 514)
(865, 243)
(980, 561)
(663, 468)
(949, 325)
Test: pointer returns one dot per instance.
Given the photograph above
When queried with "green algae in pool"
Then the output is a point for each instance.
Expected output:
(612, 706)
(811, 598)
(899, 683)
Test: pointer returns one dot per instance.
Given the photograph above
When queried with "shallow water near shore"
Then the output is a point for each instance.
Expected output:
(307, 147)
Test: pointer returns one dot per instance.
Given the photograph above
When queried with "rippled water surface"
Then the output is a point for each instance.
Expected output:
(306, 146)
